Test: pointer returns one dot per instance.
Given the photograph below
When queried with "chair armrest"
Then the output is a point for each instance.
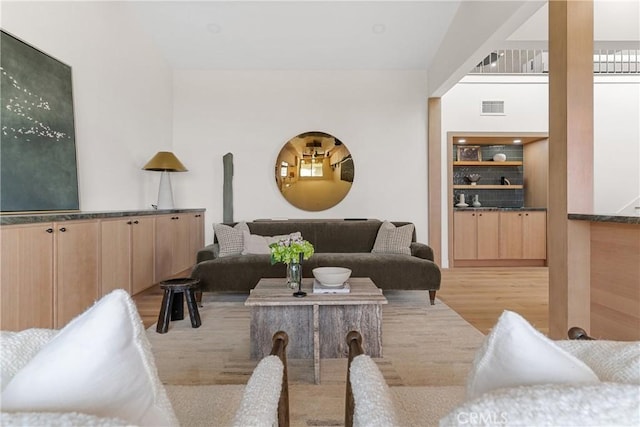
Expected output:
(368, 399)
(208, 252)
(421, 250)
(266, 396)
(577, 333)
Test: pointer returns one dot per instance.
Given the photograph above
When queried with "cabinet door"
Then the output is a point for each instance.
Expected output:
(26, 277)
(465, 242)
(488, 235)
(181, 244)
(115, 255)
(163, 246)
(534, 235)
(143, 243)
(77, 281)
(511, 235)
(196, 236)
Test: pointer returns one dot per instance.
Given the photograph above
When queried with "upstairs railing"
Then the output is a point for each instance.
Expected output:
(536, 61)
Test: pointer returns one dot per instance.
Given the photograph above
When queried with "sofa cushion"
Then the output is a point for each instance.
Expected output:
(393, 240)
(514, 354)
(602, 404)
(615, 361)
(256, 244)
(99, 364)
(230, 239)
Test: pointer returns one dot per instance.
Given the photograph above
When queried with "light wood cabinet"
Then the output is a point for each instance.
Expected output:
(196, 236)
(499, 237)
(172, 245)
(54, 270)
(77, 259)
(523, 235)
(476, 235)
(26, 276)
(127, 254)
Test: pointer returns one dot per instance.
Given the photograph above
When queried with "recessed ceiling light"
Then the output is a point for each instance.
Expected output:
(517, 141)
(462, 141)
(378, 28)
(213, 28)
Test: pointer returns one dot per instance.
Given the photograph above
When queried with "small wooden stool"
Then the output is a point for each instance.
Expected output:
(173, 304)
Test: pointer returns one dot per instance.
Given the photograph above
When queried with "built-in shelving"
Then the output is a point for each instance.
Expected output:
(487, 187)
(487, 163)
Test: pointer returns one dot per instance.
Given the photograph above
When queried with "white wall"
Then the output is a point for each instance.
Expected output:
(616, 128)
(122, 94)
(379, 115)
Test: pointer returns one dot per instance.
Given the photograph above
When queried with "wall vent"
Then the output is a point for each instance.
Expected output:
(492, 108)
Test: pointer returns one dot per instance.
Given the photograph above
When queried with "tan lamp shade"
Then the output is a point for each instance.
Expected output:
(164, 161)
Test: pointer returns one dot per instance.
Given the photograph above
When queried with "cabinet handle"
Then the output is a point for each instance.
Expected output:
(63, 229)
(49, 230)
(129, 222)
(473, 214)
(519, 214)
(526, 214)
(479, 214)
(135, 222)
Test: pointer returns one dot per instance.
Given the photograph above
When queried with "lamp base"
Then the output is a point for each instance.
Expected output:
(165, 193)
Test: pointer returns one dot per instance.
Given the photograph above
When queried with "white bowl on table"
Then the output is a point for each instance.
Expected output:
(331, 276)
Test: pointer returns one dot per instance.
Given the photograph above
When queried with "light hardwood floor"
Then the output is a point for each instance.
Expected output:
(479, 295)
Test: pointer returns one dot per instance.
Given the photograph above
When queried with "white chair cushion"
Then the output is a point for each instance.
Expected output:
(614, 361)
(602, 404)
(373, 401)
(18, 348)
(259, 405)
(514, 354)
(99, 364)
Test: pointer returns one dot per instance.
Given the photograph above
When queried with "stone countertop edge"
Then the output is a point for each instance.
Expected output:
(482, 208)
(36, 217)
(619, 219)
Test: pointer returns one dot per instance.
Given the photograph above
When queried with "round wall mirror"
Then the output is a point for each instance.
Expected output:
(314, 171)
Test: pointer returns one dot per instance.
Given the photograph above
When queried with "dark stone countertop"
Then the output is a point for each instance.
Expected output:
(36, 217)
(489, 208)
(619, 219)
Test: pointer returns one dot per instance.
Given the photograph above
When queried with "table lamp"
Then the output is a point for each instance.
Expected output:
(165, 162)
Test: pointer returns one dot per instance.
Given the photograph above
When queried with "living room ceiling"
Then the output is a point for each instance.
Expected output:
(296, 34)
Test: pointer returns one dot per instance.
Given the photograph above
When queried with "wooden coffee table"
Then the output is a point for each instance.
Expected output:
(317, 324)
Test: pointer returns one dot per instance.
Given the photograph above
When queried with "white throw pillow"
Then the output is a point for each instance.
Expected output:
(614, 361)
(393, 240)
(99, 364)
(256, 244)
(230, 239)
(514, 354)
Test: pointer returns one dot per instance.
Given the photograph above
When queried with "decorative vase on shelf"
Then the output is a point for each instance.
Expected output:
(476, 203)
(499, 157)
(461, 203)
(294, 275)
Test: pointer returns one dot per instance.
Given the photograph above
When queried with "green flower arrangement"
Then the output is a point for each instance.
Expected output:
(288, 250)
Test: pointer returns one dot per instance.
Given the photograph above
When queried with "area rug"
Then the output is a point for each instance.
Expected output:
(427, 353)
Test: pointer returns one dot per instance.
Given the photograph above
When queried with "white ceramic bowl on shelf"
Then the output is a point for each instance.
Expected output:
(331, 276)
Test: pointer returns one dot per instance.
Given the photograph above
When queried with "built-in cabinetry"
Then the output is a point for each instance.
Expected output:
(48, 270)
(53, 270)
(178, 239)
(127, 256)
(499, 237)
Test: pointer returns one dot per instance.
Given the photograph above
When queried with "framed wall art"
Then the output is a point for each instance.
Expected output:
(38, 169)
(469, 153)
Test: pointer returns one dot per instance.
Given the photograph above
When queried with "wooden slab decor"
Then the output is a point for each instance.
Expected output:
(317, 323)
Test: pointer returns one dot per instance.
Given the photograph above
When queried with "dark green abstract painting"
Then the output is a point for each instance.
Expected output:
(38, 170)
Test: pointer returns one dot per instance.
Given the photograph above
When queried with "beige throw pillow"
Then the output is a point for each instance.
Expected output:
(393, 240)
(230, 239)
(256, 244)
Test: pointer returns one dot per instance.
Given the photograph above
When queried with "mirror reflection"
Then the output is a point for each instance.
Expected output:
(314, 171)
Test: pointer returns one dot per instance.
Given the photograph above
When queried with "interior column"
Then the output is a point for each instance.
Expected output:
(434, 153)
(570, 162)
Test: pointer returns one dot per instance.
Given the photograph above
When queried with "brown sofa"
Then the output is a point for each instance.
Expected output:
(338, 243)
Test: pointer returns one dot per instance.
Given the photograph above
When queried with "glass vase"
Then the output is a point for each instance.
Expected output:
(294, 275)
